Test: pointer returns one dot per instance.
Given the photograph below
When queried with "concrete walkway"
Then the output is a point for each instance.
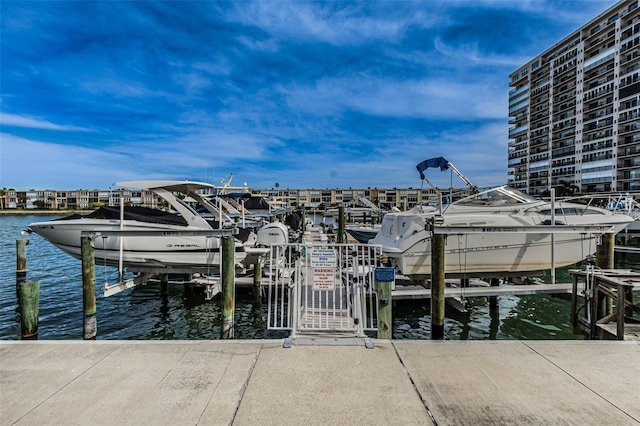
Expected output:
(260, 382)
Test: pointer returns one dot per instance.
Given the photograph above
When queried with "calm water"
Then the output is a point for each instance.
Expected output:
(140, 313)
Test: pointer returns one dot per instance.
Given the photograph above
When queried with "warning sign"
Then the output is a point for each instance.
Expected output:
(324, 278)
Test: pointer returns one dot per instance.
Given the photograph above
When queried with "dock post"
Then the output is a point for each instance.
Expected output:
(605, 254)
(164, 286)
(90, 328)
(256, 307)
(493, 300)
(228, 284)
(494, 311)
(257, 281)
(29, 296)
(437, 286)
(605, 251)
(340, 224)
(21, 263)
(574, 302)
(384, 278)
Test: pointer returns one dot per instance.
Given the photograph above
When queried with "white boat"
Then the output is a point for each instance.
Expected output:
(145, 251)
(626, 204)
(362, 232)
(405, 237)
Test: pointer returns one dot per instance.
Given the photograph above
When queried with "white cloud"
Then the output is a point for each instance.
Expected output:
(15, 120)
(334, 23)
(428, 98)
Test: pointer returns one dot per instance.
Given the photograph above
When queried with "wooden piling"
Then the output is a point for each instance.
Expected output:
(494, 311)
(21, 263)
(605, 252)
(437, 286)
(257, 281)
(383, 289)
(493, 300)
(90, 328)
(228, 284)
(340, 224)
(29, 296)
(164, 286)
(605, 255)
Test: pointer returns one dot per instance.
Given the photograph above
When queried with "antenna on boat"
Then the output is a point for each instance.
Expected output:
(227, 183)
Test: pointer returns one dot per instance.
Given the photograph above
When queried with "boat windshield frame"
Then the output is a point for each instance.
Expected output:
(498, 196)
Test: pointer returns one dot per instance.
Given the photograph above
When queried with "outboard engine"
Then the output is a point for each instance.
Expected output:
(274, 233)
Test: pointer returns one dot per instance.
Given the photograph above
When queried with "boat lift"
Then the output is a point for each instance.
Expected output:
(148, 272)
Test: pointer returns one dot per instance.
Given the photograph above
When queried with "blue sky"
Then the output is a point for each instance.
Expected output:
(303, 94)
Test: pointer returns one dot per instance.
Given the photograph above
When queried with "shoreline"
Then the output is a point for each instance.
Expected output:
(36, 212)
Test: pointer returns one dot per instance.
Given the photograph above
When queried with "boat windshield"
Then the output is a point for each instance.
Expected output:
(500, 196)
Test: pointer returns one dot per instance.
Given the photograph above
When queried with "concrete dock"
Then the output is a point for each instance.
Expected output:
(260, 382)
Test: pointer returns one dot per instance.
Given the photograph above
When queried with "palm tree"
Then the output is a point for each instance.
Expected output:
(566, 189)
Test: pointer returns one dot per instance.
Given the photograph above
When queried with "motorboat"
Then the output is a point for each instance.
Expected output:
(502, 232)
(359, 209)
(497, 232)
(362, 232)
(626, 204)
(249, 210)
(172, 238)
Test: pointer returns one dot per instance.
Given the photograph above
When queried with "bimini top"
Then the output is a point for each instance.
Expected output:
(183, 186)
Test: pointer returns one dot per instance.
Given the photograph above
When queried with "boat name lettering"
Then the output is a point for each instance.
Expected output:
(182, 245)
(499, 229)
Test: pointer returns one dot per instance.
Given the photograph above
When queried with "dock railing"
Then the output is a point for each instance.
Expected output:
(607, 298)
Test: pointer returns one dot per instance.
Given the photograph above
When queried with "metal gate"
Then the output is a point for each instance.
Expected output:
(321, 288)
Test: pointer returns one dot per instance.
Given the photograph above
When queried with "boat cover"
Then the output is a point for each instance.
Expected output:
(142, 214)
(432, 162)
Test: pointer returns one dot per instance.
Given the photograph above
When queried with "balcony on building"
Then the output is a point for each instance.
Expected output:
(514, 132)
(628, 151)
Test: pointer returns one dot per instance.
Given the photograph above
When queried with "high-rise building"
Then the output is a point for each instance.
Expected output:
(575, 110)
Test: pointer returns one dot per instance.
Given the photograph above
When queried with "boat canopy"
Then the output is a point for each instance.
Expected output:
(433, 163)
(183, 186)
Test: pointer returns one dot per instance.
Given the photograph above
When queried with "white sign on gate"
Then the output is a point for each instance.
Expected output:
(324, 279)
(324, 258)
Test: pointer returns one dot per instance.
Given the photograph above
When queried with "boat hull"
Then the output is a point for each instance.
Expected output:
(147, 251)
(481, 255)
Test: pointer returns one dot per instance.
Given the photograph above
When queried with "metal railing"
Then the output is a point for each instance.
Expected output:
(321, 288)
